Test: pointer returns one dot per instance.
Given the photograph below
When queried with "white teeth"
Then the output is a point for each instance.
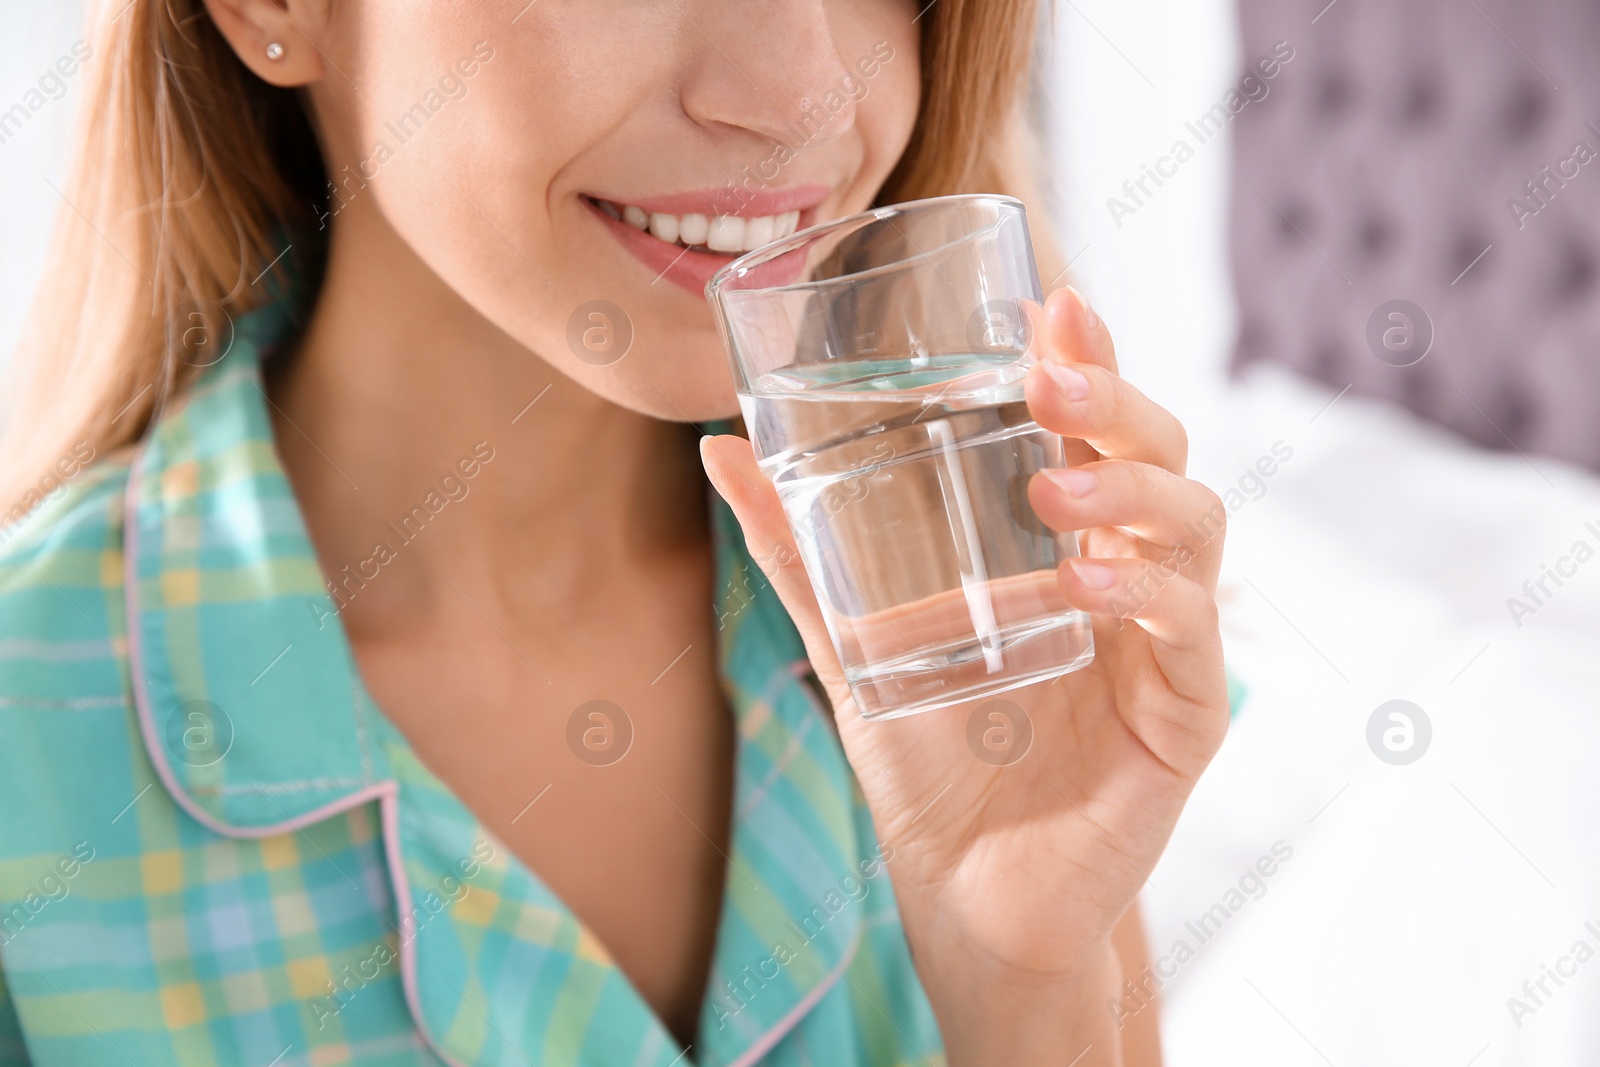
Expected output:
(720, 233)
(758, 232)
(665, 227)
(726, 234)
(692, 229)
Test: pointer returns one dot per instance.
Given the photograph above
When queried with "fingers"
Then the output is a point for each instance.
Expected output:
(1075, 389)
(1151, 503)
(1076, 333)
(1089, 402)
(1180, 616)
(731, 465)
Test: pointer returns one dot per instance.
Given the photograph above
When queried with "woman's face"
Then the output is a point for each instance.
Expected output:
(518, 147)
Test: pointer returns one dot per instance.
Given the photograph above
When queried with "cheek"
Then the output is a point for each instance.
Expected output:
(887, 112)
(480, 187)
(478, 173)
(460, 164)
(888, 120)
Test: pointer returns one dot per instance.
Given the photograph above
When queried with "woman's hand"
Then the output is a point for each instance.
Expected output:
(1010, 878)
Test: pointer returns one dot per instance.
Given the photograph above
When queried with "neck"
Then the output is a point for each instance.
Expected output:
(408, 421)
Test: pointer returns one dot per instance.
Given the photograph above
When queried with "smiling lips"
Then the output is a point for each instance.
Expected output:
(716, 233)
(685, 239)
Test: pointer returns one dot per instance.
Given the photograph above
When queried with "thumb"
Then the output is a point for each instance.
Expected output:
(730, 463)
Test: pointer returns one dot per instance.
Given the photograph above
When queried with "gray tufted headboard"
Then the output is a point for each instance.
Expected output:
(1428, 166)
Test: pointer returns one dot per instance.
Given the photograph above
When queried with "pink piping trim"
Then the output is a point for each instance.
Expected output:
(387, 792)
(764, 1043)
(390, 807)
(146, 715)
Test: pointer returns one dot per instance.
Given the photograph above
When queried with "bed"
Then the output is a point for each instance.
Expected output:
(1442, 910)
(1419, 896)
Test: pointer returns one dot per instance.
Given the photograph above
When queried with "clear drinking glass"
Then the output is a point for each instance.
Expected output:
(879, 362)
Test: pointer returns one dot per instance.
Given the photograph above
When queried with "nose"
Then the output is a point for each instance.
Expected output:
(771, 67)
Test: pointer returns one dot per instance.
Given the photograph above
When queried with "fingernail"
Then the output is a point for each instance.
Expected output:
(1075, 385)
(1076, 482)
(1093, 575)
(1090, 319)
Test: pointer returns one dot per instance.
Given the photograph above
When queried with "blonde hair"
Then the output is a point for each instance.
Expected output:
(191, 175)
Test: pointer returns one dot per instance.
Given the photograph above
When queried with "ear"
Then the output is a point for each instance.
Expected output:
(254, 27)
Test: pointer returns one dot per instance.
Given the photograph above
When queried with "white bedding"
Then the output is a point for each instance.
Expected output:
(1418, 898)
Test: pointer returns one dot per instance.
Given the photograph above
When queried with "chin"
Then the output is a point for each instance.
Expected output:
(695, 405)
(688, 381)
(700, 394)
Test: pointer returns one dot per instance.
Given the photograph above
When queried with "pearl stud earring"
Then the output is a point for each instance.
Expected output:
(274, 51)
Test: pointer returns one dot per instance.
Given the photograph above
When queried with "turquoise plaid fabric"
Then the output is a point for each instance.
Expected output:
(216, 850)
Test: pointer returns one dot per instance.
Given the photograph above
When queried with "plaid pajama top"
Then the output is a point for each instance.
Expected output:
(214, 848)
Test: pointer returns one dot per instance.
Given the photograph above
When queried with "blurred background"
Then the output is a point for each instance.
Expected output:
(1352, 246)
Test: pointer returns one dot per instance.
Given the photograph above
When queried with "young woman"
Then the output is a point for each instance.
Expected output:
(381, 681)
